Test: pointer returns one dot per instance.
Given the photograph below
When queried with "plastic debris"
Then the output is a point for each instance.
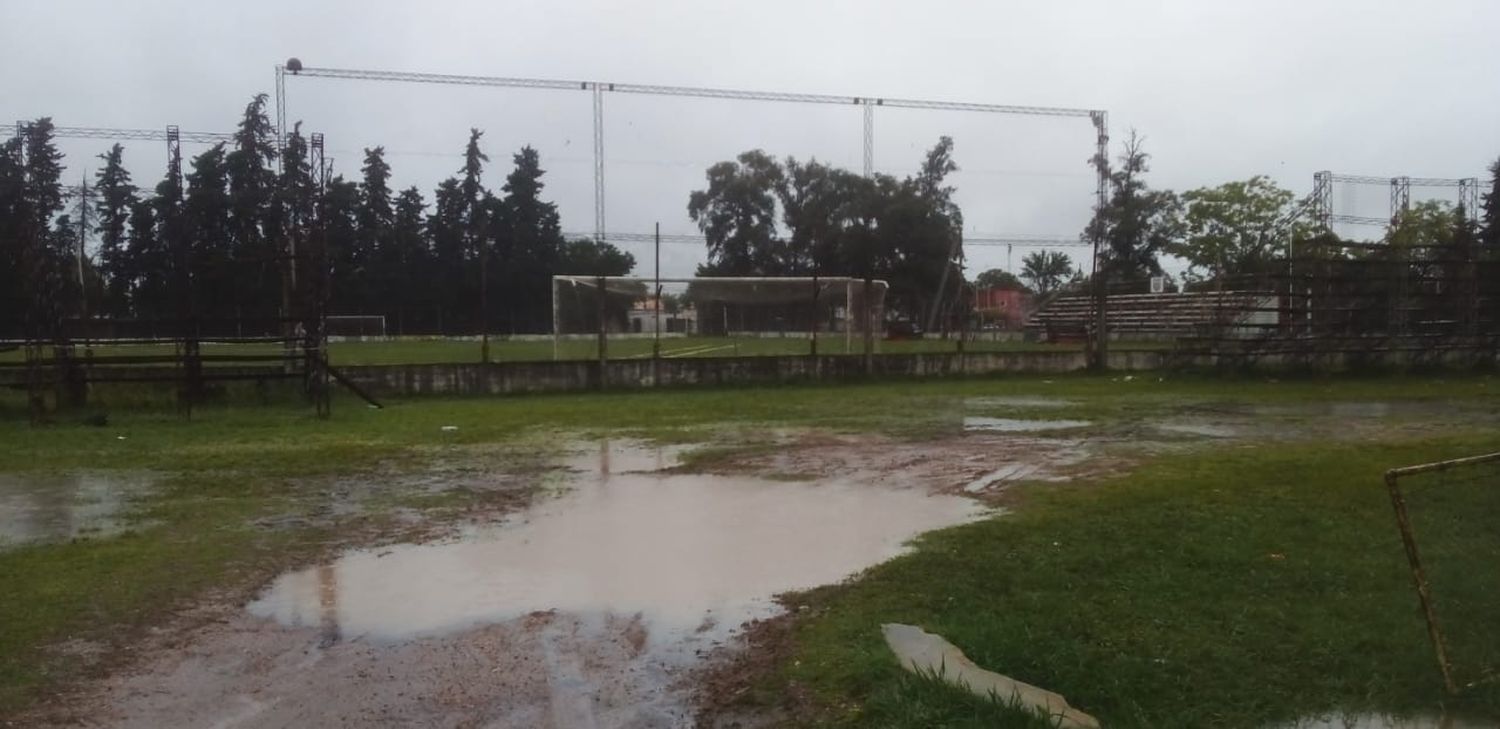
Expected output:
(924, 653)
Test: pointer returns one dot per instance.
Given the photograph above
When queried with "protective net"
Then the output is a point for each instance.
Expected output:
(714, 316)
(1449, 513)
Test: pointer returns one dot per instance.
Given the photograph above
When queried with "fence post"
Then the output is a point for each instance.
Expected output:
(869, 316)
(603, 338)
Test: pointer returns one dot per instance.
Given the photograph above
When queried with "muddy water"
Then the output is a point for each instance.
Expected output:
(1383, 721)
(1017, 401)
(693, 556)
(46, 507)
(1015, 425)
(1201, 429)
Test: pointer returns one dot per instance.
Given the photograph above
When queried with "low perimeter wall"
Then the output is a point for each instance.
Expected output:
(502, 378)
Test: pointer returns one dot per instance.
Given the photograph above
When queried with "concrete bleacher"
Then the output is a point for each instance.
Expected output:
(1158, 316)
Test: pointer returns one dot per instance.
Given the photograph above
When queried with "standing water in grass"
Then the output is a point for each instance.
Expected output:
(49, 507)
(694, 555)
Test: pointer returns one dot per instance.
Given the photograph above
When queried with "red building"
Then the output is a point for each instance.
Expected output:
(1002, 308)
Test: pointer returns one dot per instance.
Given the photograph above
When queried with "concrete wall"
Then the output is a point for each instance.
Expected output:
(524, 377)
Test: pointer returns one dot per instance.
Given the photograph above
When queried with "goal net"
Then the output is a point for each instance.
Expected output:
(1447, 513)
(714, 316)
(355, 325)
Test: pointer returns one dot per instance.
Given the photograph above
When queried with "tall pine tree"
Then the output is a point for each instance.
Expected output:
(116, 200)
(408, 258)
(254, 224)
(208, 224)
(1490, 223)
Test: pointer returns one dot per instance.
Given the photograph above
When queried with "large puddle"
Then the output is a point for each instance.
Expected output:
(694, 556)
(1384, 721)
(48, 507)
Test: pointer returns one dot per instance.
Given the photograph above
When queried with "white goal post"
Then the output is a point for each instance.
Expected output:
(354, 325)
(725, 306)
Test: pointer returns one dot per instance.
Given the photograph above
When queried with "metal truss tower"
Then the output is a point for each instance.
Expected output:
(1400, 199)
(1400, 196)
(867, 106)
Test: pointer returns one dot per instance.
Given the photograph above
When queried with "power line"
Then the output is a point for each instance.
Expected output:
(146, 135)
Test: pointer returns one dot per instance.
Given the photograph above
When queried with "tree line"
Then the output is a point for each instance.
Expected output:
(767, 217)
(230, 236)
(1240, 231)
(227, 239)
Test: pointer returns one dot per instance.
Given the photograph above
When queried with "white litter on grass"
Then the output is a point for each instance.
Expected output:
(923, 653)
(448, 428)
(119, 437)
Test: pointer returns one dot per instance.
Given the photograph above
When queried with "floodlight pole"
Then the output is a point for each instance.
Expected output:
(1099, 342)
(603, 338)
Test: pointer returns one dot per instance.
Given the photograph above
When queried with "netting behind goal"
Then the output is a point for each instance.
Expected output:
(714, 316)
(355, 325)
(1448, 514)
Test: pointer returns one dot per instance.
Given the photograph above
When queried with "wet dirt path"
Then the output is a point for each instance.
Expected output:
(589, 608)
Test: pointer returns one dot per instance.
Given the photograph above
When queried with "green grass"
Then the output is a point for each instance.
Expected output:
(1233, 588)
(1169, 562)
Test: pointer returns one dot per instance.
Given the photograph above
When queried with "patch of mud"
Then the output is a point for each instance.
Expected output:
(542, 670)
(1382, 721)
(980, 464)
(1017, 425)
(52, 507)
(589, 608)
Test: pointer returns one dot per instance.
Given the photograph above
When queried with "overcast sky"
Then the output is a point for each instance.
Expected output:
(1220, 90)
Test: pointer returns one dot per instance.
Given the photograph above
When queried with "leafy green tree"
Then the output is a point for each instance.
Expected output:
(737, 214)
(918, 243)
(1427, 226)
(1137, 223)
(1046, 270)
(905, 231)
(825, 210)
(116, 199)
(999, 278)
(588, 257)
(1232, 229)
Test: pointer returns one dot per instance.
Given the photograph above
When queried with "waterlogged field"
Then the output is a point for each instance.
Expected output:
(1162, 551)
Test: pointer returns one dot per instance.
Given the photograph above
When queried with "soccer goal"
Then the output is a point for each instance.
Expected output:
(1447, 513)
(355, 325)
(724, 316)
